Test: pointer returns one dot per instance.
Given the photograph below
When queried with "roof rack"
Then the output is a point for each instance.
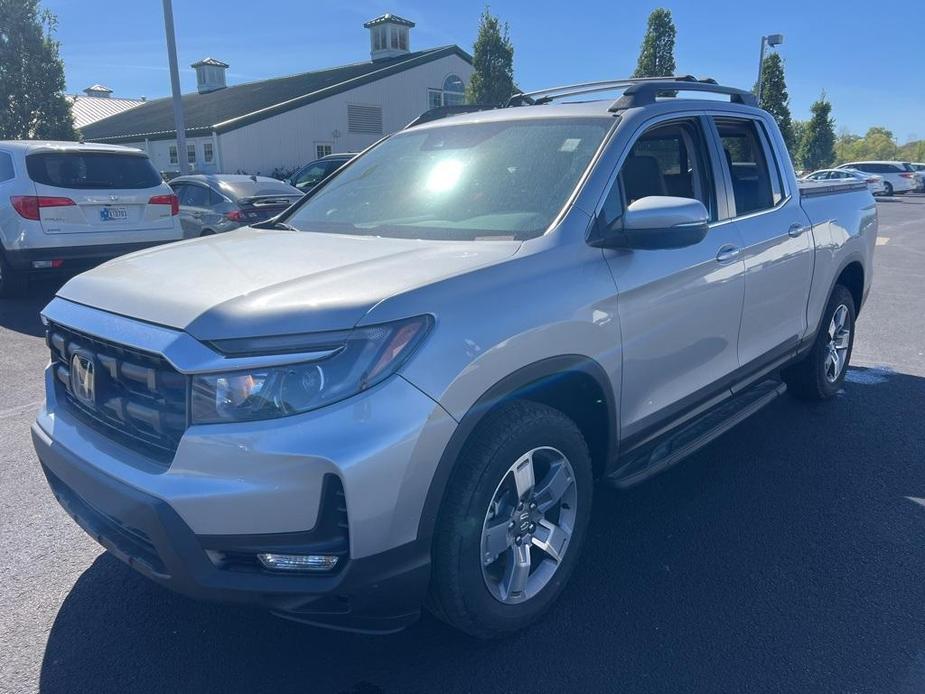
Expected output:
(644, 93)
(638, 91)
(439, 112)
(544, 96)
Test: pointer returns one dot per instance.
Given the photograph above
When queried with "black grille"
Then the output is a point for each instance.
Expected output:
(139, 399)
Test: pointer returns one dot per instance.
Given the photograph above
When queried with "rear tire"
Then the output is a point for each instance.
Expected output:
(484, 541)
(887, 189)
(12, 282)
(820, 374)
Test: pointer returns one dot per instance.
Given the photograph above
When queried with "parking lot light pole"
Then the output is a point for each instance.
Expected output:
(182, 159)
(769, 40)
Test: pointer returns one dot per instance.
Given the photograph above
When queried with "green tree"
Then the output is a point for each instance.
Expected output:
(913, 151)
(493, 60)
(775, 100)
(879, 143)
(817, 150)
(656, 55)
(31, 75)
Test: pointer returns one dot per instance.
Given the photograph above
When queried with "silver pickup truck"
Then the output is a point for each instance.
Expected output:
(401, 391)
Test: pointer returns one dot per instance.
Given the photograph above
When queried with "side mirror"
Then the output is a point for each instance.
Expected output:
(656, 222)
(287, 180)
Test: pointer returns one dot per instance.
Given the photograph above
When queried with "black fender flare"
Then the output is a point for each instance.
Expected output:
(517, 382)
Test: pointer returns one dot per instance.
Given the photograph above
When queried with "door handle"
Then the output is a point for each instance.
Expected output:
(727, 253)
(796, 229)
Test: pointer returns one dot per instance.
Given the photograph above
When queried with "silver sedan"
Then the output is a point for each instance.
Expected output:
(215, 203)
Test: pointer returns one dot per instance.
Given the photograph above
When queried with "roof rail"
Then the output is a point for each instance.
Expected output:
(638, 91)
(439, 112)
(644, 93)
(544, 96)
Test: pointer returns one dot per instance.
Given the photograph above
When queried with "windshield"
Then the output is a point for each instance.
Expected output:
(497, 179)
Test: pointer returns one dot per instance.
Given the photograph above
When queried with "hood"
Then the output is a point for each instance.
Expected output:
(252, 282)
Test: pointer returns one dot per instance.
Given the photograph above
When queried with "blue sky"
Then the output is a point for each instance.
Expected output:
(870, 62)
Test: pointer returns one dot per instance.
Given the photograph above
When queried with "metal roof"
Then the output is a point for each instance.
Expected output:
(241, 104)
(210, 61)
(89, 109)
(387, 18)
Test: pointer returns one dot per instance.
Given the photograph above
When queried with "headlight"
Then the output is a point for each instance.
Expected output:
(362, 358)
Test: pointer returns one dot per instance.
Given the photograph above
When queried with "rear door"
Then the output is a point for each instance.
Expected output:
(100, 191)
(194, 207)
(778, 247)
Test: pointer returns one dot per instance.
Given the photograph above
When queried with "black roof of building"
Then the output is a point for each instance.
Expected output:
(241, 104)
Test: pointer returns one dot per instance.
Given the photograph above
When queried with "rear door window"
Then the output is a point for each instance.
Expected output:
(92, 170)
(755, 179)
(195, 196)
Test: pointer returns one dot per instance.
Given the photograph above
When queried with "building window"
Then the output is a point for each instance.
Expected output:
(380, 39)
(207, 153)
(323, 149)
(191, 153)
(364, 119)
(453, 93)
(173, 155)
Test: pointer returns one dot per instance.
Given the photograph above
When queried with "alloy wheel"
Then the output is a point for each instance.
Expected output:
(528, 525)
(836, 352)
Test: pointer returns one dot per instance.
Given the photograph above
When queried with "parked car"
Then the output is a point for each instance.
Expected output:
(898, 177)
(69, 206)
(873, 181)
(919, 168)
(402, 390)
(315, 172)
(214, 203)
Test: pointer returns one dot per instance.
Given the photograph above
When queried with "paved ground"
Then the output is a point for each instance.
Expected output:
(787, 556)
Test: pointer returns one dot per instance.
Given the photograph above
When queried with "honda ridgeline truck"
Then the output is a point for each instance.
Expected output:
(401, 390)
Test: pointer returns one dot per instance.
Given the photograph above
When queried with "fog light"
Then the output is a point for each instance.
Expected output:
(298, 562)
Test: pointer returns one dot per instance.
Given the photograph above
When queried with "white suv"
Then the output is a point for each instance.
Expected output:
(898, 177)
(69, 205)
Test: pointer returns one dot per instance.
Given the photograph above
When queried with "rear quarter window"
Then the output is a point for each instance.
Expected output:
(6, 167)
(92, 170)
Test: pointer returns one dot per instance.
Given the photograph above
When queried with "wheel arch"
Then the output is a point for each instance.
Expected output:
(851, 277)
(575, 384)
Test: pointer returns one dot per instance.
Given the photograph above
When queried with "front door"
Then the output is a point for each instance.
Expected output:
(680, 308)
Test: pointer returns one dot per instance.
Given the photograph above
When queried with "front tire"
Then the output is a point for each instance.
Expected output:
(513, 521)
(888, 189)
(820, 374)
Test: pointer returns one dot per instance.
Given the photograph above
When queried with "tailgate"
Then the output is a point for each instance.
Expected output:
(98, 191)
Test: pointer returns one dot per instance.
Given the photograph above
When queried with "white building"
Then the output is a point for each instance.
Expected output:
(285, 122)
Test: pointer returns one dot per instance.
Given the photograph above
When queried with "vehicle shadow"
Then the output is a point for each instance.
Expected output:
(786, 556)
(21, 314)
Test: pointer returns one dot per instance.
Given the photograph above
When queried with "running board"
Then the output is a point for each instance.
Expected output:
(655, 456)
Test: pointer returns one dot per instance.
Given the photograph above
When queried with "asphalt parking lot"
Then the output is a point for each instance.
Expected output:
(788, 556)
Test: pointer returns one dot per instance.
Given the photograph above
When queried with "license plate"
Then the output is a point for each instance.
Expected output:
(108, 214)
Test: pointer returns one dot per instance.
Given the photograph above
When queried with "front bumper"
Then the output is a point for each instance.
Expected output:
(380, 593)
